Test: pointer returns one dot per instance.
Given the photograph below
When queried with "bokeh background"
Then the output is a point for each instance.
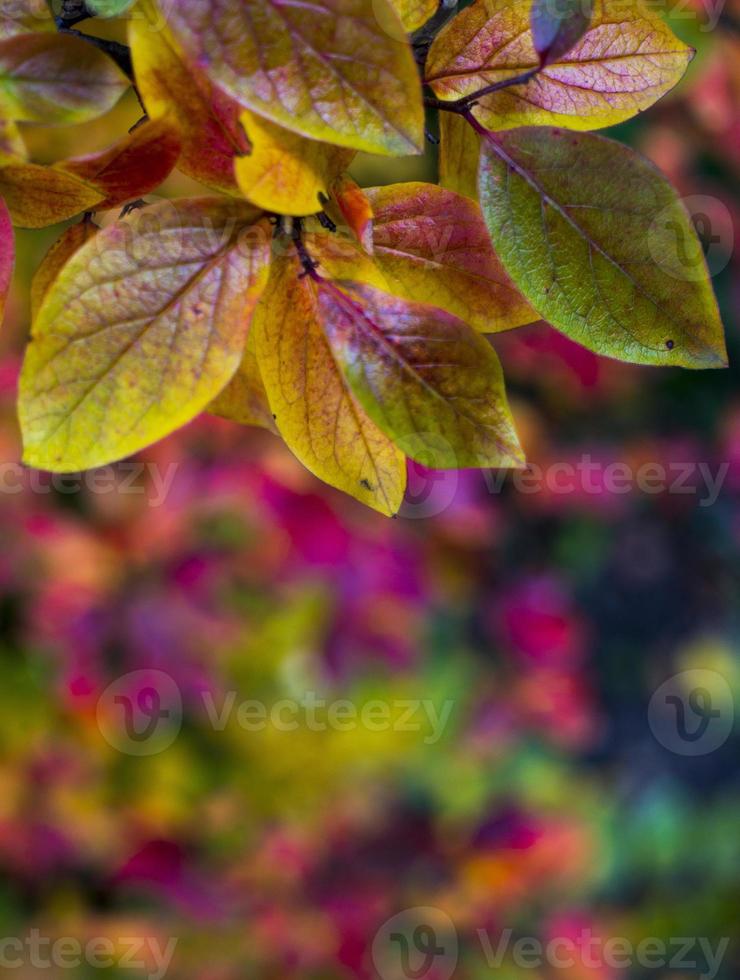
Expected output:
(568, 790)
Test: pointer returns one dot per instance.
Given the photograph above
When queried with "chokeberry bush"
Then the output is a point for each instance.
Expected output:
(350, 321)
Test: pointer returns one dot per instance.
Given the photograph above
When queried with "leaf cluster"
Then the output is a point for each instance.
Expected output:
(350, 321)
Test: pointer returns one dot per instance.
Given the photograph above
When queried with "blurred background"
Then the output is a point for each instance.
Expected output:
(249, 729)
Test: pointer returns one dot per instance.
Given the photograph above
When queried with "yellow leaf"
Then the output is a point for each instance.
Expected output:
(244, 399)
(329, 72)
(459, 152)
(39, 196)
(143, 328)
(12, 146)
(626, 60)
(284, 172)
(414, 13)
(316, 413)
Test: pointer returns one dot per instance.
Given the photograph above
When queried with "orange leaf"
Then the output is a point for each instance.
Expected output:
(356, 209)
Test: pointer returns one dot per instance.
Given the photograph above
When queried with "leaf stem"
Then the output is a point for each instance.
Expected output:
(468, 101)
(309, 264)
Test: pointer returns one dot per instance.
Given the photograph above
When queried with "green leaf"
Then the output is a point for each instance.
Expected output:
(109, 8)
(598, 241)
(142, 329)
(329, 71)
(427, 379)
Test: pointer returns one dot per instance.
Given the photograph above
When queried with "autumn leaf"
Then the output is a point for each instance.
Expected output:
(25, 17)
(133, 167)
(7, 256)
(425, 378)
(330, 73)
(56, 78)
(600, 244)
(284, 172)
(38, 196)
(208, 121)
(142, 329)
(244, 399)
(459, 151)
(557, 25)
(627, 59)
(432, 244)
(12, 145)
(414, 13)
(353, 205)
(57, 257)
(316, 413)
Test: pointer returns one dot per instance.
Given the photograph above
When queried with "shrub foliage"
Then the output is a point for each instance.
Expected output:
(350, 321)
